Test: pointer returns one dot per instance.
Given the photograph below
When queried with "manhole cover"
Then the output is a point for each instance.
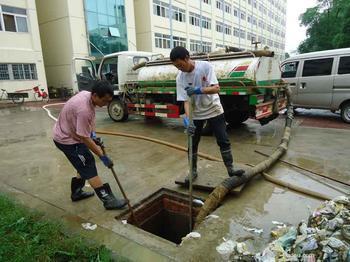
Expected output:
(164, 213)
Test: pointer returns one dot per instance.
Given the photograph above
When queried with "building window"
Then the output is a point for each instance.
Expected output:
(228, 29)
(162, 41)
(219, 5)
(249, 18)
(179, 41)
(24, 71)
(242, 15)
(194, 19)
(206, 22)
(106, 26)
(179, 14)
(219, 27)
(207, 2)
(235, 11)
(160, 8)
(228, 8)
(254, 21)
(242, 34)
(4, 72)
(15, 19)
(236, 31)
(197, 46)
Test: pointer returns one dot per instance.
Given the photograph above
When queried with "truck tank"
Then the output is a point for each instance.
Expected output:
(245, 66)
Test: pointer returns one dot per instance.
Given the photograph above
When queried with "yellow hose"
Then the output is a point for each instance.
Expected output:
(161, 142)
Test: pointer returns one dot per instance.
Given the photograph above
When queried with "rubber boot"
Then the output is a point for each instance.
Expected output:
(195, 173)
(109, 200)
(76, 186)
(228, 161)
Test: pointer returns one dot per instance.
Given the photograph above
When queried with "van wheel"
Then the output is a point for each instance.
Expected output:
(118, 110)
(345, 112)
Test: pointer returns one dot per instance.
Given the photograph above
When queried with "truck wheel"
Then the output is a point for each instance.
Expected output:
(236, 118)
(118, 110)
(345, 112)
(206, 131)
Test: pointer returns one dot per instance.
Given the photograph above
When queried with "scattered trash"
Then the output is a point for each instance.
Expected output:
(280, 231)
(191, 235)
(226, 248)
(241, 248)
(211, 216)
(124, 221)
(278, 223)
(198, 202)
(325, 236)
(89, 226)
(254, 230)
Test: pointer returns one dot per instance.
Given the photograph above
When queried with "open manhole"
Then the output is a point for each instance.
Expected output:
(164, 213)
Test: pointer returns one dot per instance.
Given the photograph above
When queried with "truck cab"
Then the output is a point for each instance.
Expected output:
(117, 68)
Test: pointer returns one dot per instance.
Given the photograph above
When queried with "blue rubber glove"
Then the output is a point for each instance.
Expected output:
(197, 90)
(190, 127)
(186, 121)
(98, 140)
(106, 161)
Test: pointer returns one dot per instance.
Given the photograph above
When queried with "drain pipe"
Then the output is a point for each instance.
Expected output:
(219, 193)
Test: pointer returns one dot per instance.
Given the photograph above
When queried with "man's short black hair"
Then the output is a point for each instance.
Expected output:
(179, 52)
(102, 88)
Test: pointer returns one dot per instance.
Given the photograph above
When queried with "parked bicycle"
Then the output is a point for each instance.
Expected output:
(17, 98)
(40, 94)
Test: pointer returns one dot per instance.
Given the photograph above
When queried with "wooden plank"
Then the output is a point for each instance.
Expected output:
(209, 178)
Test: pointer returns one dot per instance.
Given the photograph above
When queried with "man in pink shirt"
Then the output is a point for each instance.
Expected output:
(74, 135)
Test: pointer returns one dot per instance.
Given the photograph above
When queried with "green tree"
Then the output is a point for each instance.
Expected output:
(328, 26)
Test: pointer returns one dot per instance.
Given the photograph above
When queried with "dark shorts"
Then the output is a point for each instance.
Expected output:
(81, 158)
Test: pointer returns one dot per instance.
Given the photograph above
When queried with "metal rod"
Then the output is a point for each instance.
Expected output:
(122, 190)
(190, 153)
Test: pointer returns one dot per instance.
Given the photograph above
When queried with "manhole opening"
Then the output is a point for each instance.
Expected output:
(164, 213)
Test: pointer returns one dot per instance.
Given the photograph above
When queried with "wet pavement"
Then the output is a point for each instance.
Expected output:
(38, 175)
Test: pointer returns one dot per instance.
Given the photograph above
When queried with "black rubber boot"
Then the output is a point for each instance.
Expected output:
(194, 164)
(109, 200)
(228, 161)
(76, 186)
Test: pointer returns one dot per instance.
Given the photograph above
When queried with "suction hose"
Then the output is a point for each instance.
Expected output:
(219, 193)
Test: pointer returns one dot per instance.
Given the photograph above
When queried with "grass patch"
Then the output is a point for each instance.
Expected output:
(26, 236)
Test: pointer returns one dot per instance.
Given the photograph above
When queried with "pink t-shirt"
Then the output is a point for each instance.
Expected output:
(77, 117)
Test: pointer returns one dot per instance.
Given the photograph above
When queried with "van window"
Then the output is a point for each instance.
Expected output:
(290, 69)
(318, 67)
(344, 65)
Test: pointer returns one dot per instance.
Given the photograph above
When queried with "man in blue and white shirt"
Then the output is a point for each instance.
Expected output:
(198, 79)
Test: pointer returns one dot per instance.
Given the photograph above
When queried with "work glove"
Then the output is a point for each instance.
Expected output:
(190, 127)
(197, 90)
(106, 161)
(98, 140)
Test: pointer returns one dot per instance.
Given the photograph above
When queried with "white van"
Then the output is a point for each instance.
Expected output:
(320, 80)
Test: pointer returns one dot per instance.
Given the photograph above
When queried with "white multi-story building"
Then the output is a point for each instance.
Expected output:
(82, 28)
(205, 25)
(21, 59)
